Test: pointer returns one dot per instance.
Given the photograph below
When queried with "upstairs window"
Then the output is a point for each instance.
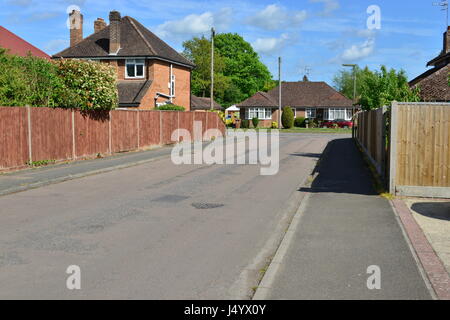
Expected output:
(135, 68)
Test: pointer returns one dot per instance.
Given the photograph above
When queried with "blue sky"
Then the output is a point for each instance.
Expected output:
(315, 34)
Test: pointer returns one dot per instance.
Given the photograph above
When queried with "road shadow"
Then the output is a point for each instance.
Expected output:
(306, 155)
(435, 210)
(341, 169)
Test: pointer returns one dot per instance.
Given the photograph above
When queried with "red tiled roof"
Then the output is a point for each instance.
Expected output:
(299, 94)
(18, 46)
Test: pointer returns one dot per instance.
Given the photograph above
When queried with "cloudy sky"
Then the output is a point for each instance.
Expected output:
(318, 35)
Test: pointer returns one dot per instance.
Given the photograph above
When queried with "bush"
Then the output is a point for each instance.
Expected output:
(255, 122)
(64, 83)
(274, 125)
(299, 122)
(287, 118)
(245, 124)
(170, 107)
(89, 85)
(229, 123)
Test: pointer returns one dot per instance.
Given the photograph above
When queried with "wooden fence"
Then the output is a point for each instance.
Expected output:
(30, 135)
(417, 156)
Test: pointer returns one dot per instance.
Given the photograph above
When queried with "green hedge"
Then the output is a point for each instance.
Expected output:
(64, 83)
(170, 107)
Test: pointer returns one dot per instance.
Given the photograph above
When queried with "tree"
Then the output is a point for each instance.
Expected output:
(238, 71)
(243, 66)
(375, 89)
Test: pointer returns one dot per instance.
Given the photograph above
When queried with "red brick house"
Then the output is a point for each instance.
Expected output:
(17, 46)
(433, 83)
(149, 72)
(312, 100)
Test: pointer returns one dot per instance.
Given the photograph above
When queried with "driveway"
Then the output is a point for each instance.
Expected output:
(155, 230)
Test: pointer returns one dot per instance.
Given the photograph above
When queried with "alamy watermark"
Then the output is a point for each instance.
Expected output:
(374, 280)
(73, 281)
(250, 147)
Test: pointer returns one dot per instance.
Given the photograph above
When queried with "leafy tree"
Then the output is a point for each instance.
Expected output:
(375, 89)
(238, 71)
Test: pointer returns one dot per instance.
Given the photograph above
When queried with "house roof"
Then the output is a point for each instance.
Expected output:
(132, 92)
(135, 41)
(433, 84)
(19, 46)
(198, 103)
(299, 94)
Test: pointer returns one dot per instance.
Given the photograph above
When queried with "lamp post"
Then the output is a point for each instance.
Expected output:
(213, 33)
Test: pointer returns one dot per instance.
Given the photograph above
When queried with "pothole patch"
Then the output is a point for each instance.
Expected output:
(205, 205)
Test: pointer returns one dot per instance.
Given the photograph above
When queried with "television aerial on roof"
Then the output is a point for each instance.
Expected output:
(444, 5)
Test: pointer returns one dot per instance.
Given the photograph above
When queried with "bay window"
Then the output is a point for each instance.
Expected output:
(311, 113)
(335, 114)
(260, 113)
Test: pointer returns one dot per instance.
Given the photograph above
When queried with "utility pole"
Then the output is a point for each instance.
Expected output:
(213, 33)
(279, 93)
(353, 66)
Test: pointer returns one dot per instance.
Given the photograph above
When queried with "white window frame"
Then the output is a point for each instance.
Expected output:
(261, 113)
(172, 86)
(311, 113)
(136, 62)
(332, 114)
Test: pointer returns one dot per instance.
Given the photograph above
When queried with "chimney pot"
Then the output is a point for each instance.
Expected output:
(76, 27)
(114, 29)
(99, 25)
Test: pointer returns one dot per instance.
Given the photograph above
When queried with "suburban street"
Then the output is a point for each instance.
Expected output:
(135, 232)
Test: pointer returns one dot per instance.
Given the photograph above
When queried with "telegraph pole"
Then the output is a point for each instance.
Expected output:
(279, 93)
(213, 33)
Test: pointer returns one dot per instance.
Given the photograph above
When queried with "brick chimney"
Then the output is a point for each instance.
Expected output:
(114, 29)
(99, 25)
(76, 27)
(447, 41)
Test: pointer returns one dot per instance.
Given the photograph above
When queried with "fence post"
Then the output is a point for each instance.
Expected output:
(30, 149)
(160, 128)
(393, 147)
(110, 132)
(73, 136)
(138, 129)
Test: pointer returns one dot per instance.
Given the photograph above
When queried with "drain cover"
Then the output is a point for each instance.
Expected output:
(203, 205)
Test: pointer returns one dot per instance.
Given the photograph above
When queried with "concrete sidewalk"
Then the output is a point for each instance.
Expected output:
(38, 177)
(342, 229)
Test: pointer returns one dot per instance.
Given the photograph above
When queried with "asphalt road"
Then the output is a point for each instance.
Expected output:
(143, 232)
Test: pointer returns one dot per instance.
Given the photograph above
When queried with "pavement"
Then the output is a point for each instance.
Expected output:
(342, 229)
(433, 217)
(151, 230)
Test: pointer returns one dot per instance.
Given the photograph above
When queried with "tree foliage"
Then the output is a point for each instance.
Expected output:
(239, 73)
(375, 89)
(65, 83)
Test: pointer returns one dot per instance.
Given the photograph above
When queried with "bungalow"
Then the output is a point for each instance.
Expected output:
(17, 46)
(203, 104)
(311, 100)
(149, 72)
(433, 83)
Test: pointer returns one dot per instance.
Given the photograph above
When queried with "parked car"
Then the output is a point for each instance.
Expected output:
(341, 123)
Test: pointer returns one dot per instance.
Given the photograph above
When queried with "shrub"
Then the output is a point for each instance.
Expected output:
(245, 124)
(90, 85)
(229, 123)
(64, 83)
(287, 118)
(170, 107)
(255, 122)
(274, 125)
(299, 122)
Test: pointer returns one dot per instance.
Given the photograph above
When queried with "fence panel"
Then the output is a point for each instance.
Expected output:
(51, 134)
(149, 128)
(91, 133)
(124, 130)
(169, 125)
(420, 155)
(14, 152)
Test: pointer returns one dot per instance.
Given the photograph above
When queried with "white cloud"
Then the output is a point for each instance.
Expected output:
(196, 24)
(329, 6)
(274, 17)
(270, 45)
(359, 51)
(55, 46)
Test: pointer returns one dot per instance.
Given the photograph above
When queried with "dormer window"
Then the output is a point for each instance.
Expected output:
(135, 68)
